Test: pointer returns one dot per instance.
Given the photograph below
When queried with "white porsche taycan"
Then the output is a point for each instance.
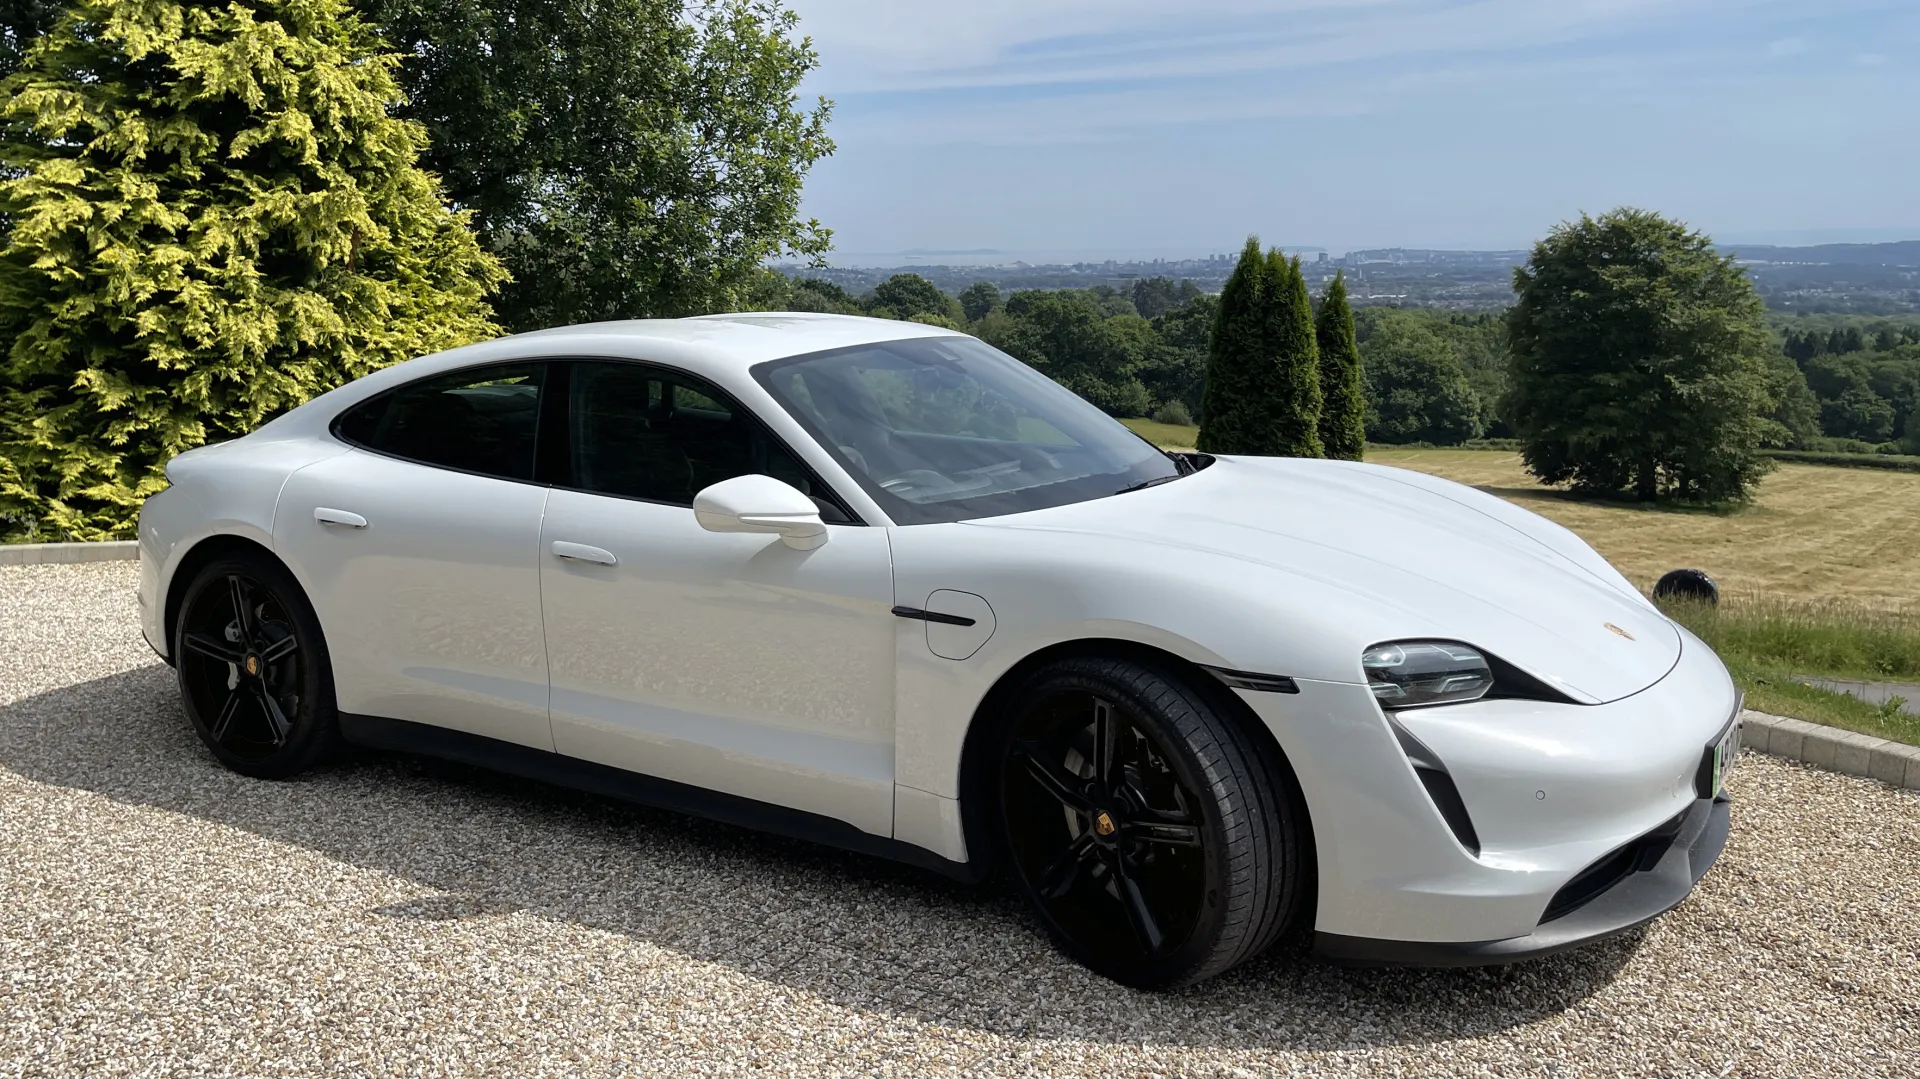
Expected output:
(878, 585)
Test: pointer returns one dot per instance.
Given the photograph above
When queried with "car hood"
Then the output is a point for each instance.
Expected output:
(1419, 557)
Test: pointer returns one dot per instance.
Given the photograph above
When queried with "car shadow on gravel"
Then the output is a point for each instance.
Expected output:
(860, 932)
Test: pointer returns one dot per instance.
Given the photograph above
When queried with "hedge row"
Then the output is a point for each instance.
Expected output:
(1890, 461)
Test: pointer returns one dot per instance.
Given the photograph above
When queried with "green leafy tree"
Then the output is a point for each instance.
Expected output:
(1857, 413)
(1896, 379)
(979, 300)
(905, 295)
(1066, 335)
(816, 294)
(1850, 406)
(1415, 388)
(1343, 407)
(1176, 372)
(1155, 296)
(215, 217)
(1796, 409)
(1639, 362)
(627, 158)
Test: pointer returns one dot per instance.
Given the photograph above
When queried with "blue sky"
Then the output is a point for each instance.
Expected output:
(1170, 127)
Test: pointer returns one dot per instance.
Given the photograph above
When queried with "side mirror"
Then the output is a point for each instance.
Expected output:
(761, 504)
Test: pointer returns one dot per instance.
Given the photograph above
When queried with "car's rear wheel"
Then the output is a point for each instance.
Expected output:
(1158, 843)
(254, 675)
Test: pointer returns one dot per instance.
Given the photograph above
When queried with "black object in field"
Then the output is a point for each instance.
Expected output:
(1690, 584)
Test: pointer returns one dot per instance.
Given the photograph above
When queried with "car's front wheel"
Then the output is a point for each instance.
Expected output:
(254, 675)
(1156, 841)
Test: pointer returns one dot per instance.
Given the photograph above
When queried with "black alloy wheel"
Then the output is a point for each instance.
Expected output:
(1157, 841)
(253, 669)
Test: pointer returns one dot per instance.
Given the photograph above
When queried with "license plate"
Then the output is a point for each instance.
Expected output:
(1724, 751)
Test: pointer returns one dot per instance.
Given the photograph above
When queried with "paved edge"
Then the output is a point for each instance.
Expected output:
(1831, 748)
(40, 554)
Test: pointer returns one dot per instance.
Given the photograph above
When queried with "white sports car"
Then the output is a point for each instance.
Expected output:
(878, 585)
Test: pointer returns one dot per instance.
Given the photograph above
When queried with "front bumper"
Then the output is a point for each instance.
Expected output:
(1550, 791)
(1648, 879)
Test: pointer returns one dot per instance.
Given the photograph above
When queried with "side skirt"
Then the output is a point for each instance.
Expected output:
(404, 736)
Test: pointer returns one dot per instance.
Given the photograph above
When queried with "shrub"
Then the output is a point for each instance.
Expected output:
(1175, 413)
(214, 217)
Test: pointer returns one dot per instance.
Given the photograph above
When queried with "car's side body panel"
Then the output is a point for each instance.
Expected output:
(432, 608)
(228, 489)
(732, 662)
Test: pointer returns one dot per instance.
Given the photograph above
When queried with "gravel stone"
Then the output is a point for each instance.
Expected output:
(162, 916)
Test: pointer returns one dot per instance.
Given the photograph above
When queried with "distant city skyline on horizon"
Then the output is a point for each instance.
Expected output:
(1056, 256)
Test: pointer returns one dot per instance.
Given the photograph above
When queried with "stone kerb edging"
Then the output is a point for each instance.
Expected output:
(1832, 748)
(40, 554)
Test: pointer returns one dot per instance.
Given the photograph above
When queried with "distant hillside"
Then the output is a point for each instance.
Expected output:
(1899, 253)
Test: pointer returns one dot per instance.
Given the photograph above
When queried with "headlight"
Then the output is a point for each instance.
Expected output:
(1406, 674)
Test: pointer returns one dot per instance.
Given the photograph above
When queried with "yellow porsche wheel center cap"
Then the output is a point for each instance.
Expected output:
(1103, 823)
(253, 665)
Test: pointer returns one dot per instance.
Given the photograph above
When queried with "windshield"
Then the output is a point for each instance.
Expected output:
(950, 428)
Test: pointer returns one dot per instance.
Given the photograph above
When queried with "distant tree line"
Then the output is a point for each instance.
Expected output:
(1141, 351)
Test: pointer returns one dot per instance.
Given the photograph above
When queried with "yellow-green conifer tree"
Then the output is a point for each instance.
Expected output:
(214, 216)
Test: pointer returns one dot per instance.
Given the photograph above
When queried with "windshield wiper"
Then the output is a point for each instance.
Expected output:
(1154, 482)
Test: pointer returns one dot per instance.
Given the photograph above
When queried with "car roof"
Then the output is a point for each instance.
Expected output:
(744, 338)
(718, 347)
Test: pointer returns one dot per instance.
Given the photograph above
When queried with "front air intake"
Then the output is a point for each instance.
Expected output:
(1440, 787)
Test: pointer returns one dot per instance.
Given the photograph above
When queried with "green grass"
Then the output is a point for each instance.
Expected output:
(1766, 640)
(1170, 435)
(1776, 694)
(1838, 638)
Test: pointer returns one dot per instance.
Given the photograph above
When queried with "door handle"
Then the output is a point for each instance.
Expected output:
(580, 552)
(338, 517)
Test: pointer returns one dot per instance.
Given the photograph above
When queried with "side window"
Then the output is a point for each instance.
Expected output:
(641, 433)
(482, 420)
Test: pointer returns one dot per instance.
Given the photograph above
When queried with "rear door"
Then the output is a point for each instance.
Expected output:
(420, 550)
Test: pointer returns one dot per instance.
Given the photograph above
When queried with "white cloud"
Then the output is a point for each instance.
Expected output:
(1787, 46)
(907, 45)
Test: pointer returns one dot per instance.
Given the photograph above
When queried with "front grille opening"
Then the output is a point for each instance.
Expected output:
(1446, 798)
(1637, 856)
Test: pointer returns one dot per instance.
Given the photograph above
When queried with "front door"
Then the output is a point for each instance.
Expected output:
(420, 551)
(730, 662)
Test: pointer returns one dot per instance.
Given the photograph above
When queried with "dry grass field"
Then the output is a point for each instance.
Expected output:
(1813, 533)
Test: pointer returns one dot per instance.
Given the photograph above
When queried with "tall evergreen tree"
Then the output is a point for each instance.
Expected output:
(1263, 368)
(215, 217)
(1343, 406)
(1230, 420)
(1295, 372)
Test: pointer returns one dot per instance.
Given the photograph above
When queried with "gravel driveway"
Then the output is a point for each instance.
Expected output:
(159, 915)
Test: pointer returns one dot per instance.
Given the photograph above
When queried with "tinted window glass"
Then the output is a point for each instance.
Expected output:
(478, 420)
(950, 428)
(641, 433)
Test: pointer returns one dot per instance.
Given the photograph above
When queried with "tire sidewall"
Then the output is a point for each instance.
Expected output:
(315, 722)
(1172, 968)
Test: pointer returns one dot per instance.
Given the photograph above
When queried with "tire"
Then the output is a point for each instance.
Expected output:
(1184, 856)
(258, 690)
